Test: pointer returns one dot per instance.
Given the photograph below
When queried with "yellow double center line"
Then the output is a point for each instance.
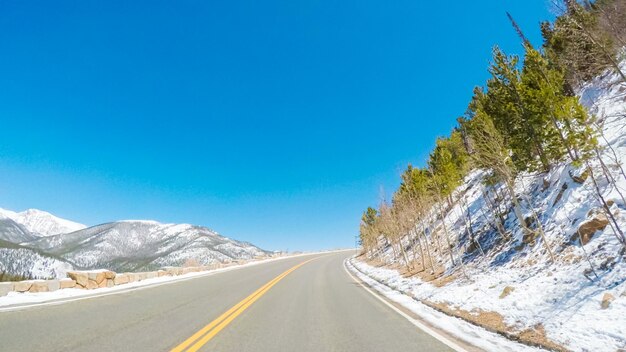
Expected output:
(204, 335)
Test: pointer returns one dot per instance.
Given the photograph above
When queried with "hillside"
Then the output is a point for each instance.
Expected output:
(13, 232)
(25, 262)
(517, 221)
(510, 283)
(119, 246)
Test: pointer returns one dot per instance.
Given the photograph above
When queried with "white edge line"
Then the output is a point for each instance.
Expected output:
(413, 321)
(121, 289)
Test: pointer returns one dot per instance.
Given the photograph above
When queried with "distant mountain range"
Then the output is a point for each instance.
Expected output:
(35, 243)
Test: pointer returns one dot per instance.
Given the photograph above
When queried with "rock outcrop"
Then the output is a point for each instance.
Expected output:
(606, 300)
(5, 288)
(588, 228)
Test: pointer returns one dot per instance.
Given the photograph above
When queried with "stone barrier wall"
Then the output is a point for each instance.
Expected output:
(93, 279)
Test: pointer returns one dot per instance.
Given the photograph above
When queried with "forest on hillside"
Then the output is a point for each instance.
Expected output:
(527, 119)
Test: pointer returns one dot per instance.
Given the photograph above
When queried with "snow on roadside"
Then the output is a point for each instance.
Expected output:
(461, 329)
(582, 324)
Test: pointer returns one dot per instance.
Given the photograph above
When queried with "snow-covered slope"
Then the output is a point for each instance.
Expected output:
(143, 245)
(30, 263)
(13, 232)
(577, 301)
(41, 223)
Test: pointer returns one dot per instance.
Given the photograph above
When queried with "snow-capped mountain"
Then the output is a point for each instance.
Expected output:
(36, 243)
(13, 232)
(41, 223)
(142, 245)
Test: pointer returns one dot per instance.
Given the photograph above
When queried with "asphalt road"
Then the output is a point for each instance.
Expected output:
(316, 307)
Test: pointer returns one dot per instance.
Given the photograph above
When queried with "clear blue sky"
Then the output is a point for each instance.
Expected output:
(275, 122)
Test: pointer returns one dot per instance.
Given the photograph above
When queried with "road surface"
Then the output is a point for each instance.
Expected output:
(275, 306)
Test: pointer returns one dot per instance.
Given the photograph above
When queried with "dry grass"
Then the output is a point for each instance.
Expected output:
(570, 258)
(537, 334)
(444, 280)
(493, 321)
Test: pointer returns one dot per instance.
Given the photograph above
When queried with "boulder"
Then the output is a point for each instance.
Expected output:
(588, 228)
(606, 300)
(80, 277)
(106, 283)
(91, 285)
(507, 291)
(173, 271)
(38, 286)
(5, 288)
(109, 274)
(53, 285)
(67, 283)
(151, 275)
(121, 279)
(593, 212)
(579, 176)
(131, 277)
(161, 273)
(22, 286)
(97, 276)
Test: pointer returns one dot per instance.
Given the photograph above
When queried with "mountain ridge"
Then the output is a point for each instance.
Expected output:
(125, 245)
(41, 223)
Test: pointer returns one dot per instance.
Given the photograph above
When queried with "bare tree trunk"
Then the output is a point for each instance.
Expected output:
(434, 233)
(543, 234)
(469, 221)
(445, 230)
(595, 42)
(517, 208)
(405, 256)
(619, 234)
(539, 227)
(422, 256)
(413, 245)
(393, 249)
(587, 257)
(468, 225)
(430, 258)
(496, 216)
(607, 174)
(616, 32)
(616, 159)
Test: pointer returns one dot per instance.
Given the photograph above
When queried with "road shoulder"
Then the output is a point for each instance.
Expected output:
(456, 333)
